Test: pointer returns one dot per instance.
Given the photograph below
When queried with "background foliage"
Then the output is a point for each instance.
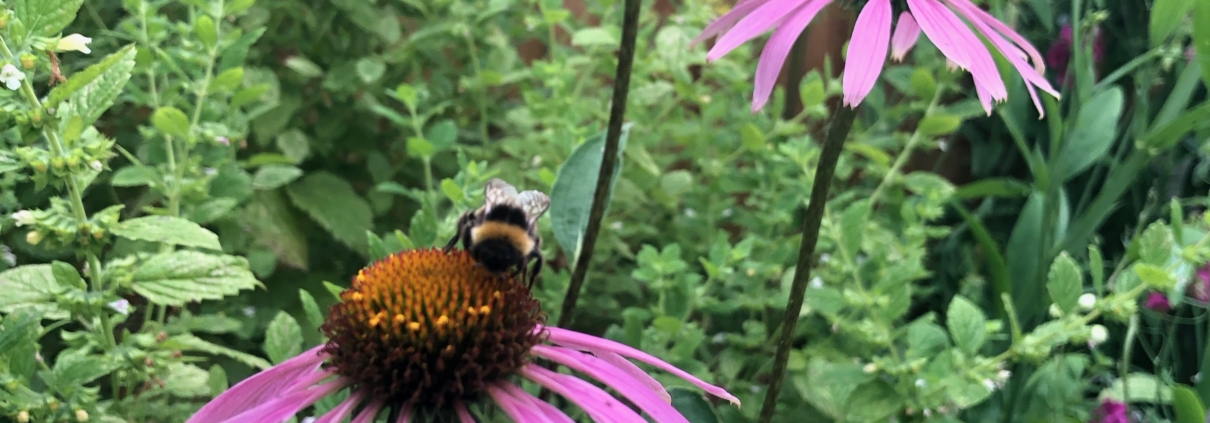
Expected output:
(230, 163)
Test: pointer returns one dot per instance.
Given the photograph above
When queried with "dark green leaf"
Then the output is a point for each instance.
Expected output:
(180, 277)
(78, 367)
(273, 176)
(314, 316)
(94, 89)
(1094, 133)
(873, 401)
(133, 176)
(573, 190)
(938, 124)
(273, 224)
(1187, 405)
(1065, 282)
(692, 406)
(992, 187)
(1166, 16)
(168, 230)
(334, 205)
(283, 338)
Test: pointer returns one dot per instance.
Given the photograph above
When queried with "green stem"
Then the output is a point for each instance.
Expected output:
(474, 52)
(906, 154)
(838, 131)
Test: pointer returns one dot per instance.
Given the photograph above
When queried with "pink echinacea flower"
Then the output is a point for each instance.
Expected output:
(423, 332)
(944, 22)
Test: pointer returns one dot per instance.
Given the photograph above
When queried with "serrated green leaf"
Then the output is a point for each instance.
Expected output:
(283, 338)
(19, 327)
(181, 277)
(31, 286)
(217, 380)
(966, 393)
(188, 342)
(66, 275)
(1065, 282)
(212, 210)
(1093, 133)
(369, 69)
(273, 176)
(333, 203)
(167, 230)
(573, 190)
(237, 52)
(926, 339)
(78, 367)
(751, 137)
(442, 134)
(852, 227)
(45, 17)
(967, 324)
(294, 144)
(873, 401)
(923, 84)
(134, 176)
(172, 121)
(314, 316)
(827, 385)
(206, 32)
(273, 224)
(1154, 245)
(692, 406)
(186, 380)
(90, 92)
(249, 95)
(1154, 276)
(1142, 387)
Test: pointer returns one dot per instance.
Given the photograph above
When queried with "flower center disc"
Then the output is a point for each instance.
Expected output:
(430, 327)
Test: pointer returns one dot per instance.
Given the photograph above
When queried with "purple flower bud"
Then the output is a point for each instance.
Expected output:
(1158, 302)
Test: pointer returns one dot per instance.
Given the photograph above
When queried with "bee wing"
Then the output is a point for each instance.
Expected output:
(534, 203)
(498, 192)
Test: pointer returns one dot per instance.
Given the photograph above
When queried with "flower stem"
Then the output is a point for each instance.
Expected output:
(907, 151)
(838, 130)
(609, 160)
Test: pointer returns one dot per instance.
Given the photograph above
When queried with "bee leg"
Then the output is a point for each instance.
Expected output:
(462, 221)
(537, 257)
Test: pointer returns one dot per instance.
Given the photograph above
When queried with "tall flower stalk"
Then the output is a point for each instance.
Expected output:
(945, 22)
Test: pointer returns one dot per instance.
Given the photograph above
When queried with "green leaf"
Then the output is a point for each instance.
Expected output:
(273, 224)
(1164, 137)
(217, 380)
(283, 338)
(442, 134)
(1187, 405)
(852, 227)
(1065, 282)
(180, 277)
(573, 190)
(1142, 387)
(186, 380)
(1095, 129)
(1154, 246)
(67, 276)
(45, 17)
(452, 191)
(33, 287)
(134, 176)
(294, 144)
(306, 68)
(595, 36)
(1201, 38)
(369, 69)
(420, 147)
(314, 316)
(168, 230)
(19, 329)
(751, 137)
(923, 84)
(212, 210)
(94, 89)
(273, 176)
(691, 405)
(1166, 16)
(172, 121)
(873, 401)
(1154, 276)
(228, 80)
(967, 324)
(334, 205)
(966, 393)
(249, 95)
(938, 124)
(206, 32)
(827, 385)
(78, 367)
(993, 187)
(188, 342)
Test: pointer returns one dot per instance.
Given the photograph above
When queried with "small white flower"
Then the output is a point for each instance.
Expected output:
(309, 420)
(755, 389)
(690, 212)
(1197, 377)
(617, 226)
(222, 140)
(121, 306)
(537, 160)
(727, 212)
(1099, 335)
(816, 282)
(1055, 311)
(1003, 376)
(920, 383)
(1088, 301)
(23, 217)
(928, 413)
(96, 165)
(7, 254)
(870, 368)
(210, 171)
(991, 386)
(719, 338)
(11, 76)
(825, 257)
(74, 42)
(250, 311)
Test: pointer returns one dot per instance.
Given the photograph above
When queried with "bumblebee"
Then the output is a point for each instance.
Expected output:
(503, 233)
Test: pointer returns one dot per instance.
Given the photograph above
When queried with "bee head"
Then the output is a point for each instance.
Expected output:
(496, 254)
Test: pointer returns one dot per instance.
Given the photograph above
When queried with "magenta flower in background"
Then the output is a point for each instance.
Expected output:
(1059, 54)
(1158, 302)
(1110, 411)
(944, 22)
(423, 331)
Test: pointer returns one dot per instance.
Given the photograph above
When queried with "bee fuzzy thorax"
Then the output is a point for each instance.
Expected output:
(514, 235)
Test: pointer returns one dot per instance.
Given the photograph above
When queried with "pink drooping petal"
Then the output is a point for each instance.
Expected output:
(725, 22)
(405, 414)
(258, 388)
(343, 410)
(946, 29)
(572, 339)
(634, 371)
(542, 406)
(368, 414)
(777, 48)
(867, 51)
(615, 378)
(598, 404)
(907, 31)
(1013, 54)
(982, 16)
(463, 415)
(282, 408)
(936, 32)
(517, 410)
(763, 18)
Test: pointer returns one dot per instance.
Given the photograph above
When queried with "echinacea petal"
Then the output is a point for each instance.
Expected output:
(405, 414)
(614, 378)
(258, 388)
(342, 410)
(867, 51)
(764, 17)
(516, 409)
(572, 339)
(982, 16)
(725, 22)
(598, 404)
(635, 372)
(935, 31)
(1014, 56)
(943, 27)
(463, 415)
(777, 48)
(545, 408)
(368, 413)
(282, 408)
(907, 31)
